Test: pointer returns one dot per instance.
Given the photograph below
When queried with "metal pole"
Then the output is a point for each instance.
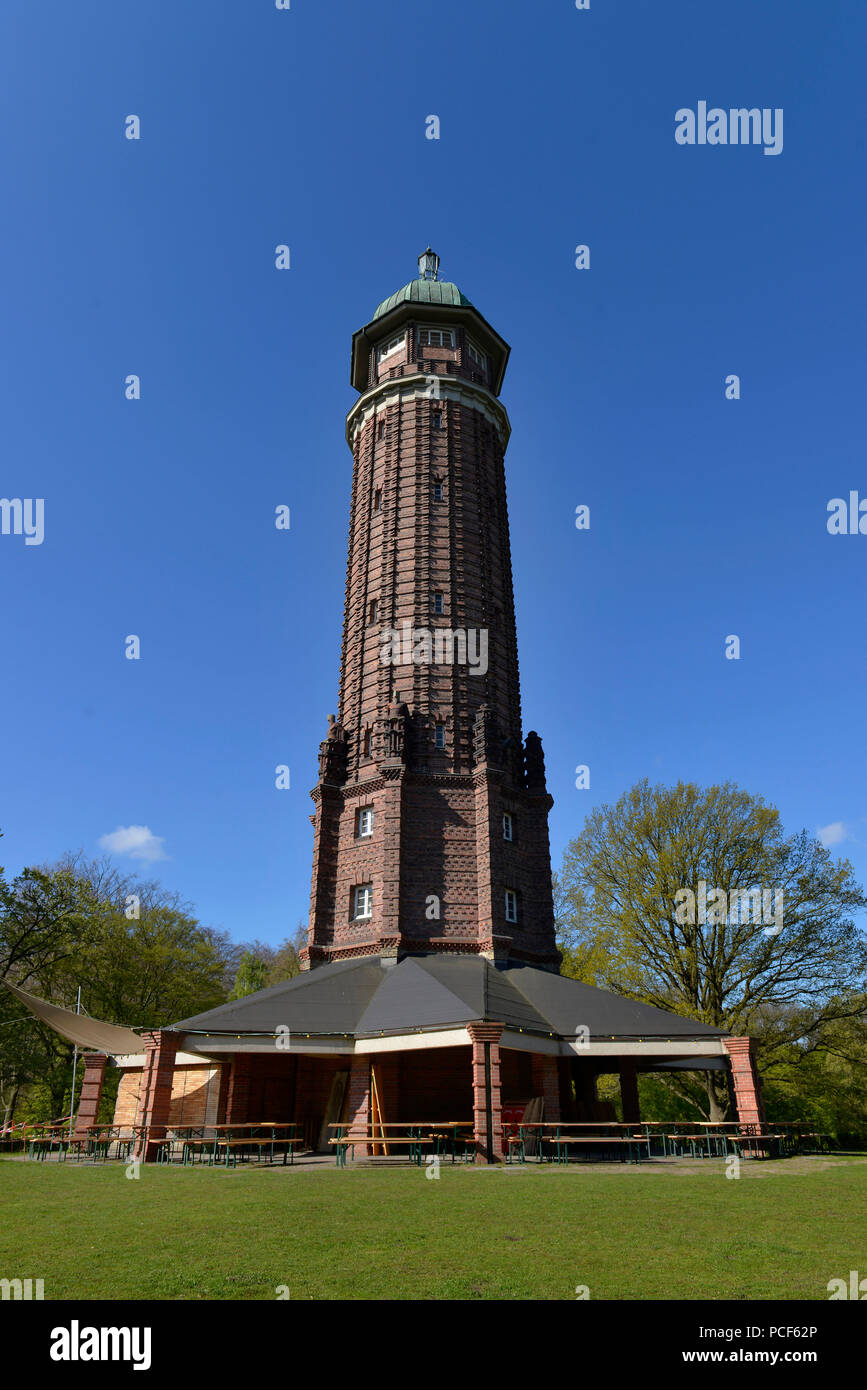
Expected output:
(74, 1067)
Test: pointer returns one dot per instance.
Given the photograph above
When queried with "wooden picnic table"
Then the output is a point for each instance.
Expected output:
(383, 1136)
(629, 1143)
(709, 1137)
(616, 1134)
(209, 1140)
(40, 1143)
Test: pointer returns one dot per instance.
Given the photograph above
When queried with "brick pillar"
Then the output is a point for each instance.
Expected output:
(358, 1105)
(745, 1080)
(546, 1083)
(91, 1091)
(629, 1091)
(238, 1094)
(487, 1107)
(156, 1090)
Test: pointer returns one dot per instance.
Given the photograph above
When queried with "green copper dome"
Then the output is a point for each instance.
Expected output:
(424, 292)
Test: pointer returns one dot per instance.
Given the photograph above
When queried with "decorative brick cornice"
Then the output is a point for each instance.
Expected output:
(323, 954)
(486, 1032)
(403, 390)
(498, 777)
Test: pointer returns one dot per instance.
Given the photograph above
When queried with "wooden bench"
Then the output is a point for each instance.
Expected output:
(41, 1145)
(250, 1141)
(681, 1140)
(224, 1141)
(459, 1145)
(289, 1146)
(378, 1141)
(513, 1143)
(624, 1142)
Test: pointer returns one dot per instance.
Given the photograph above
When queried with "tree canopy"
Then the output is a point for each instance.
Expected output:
(660, 898)
(139, 952)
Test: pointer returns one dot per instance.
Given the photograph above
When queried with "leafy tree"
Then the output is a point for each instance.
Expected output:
(140, 954)
(622, 916)
(286, 963)
(281, 962)
(147, 961)
(585, 953)
(252, 976)
(822, 1078)
(44, 916)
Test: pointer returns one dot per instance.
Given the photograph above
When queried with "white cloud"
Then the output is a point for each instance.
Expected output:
(832, 834)
(135, 841)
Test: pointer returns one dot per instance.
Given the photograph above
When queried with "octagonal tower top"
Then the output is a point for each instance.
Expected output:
(430, 301)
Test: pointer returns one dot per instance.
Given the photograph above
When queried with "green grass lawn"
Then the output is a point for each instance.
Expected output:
(782, 1230)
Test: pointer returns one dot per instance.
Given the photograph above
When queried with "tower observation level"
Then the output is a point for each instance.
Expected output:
(431, 809)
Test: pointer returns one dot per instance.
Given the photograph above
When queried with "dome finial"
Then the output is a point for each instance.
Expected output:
(428, 265)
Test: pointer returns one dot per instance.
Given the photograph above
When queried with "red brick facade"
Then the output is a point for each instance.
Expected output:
(156, 1088)
(91, 1090)
(429, 553)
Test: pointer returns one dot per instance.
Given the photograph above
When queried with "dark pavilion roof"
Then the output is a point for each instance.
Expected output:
(375, 996)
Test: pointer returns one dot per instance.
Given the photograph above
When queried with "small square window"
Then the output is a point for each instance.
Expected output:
(440, 736)
(374, 610)
(511, 905)
(365, 822)
(437, 420)
(363, 902)
(508, 827)
(437, 492)
(439, 603)
(381, 429)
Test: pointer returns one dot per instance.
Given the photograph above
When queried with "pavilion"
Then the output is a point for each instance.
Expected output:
(440, 1037)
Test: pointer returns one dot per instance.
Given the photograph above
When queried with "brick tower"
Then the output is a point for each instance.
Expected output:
(431, 820)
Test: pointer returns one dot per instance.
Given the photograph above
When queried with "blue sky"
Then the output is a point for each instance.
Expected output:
(307, 127)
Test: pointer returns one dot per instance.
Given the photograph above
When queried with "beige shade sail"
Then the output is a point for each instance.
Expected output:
(80, 1028)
